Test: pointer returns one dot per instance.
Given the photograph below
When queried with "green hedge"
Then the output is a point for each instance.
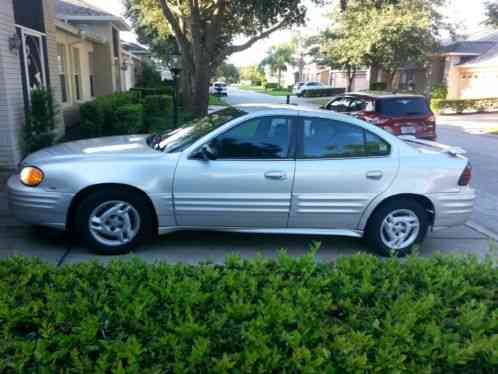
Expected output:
(378, 86)
(361, 315)
(125, 113)
(144, 92)
(323, 92)
(461, 106)
(129, 119)
(271, 86)
(439, 92)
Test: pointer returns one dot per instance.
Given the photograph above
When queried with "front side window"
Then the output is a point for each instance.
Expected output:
(324, 138)
(259, 138)
(339, 105)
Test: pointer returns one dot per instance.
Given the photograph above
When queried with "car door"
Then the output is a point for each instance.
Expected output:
(247, 185)
(340, 169)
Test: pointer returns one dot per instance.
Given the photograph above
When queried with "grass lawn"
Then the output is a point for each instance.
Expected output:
(494, 131)
(216, 100)
(262, 90)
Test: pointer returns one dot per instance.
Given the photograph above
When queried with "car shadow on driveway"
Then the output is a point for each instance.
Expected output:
(193, 247)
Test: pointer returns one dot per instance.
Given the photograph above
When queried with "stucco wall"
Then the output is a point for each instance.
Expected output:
(473, 83)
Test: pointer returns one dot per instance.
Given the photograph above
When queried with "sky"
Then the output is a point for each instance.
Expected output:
(468, 14)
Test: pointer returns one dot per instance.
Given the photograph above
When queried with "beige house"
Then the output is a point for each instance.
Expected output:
(28, 60)
(69, 46)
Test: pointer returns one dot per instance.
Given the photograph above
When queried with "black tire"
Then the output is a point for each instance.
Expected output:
(373, 231)
(87, 206)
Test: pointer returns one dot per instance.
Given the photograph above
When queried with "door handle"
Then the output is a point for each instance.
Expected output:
(375, 175)
(275, 175)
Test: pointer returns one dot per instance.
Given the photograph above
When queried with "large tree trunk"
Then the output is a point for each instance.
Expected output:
(200, 98)
(351, 73)
(279, 78)
(389, 76)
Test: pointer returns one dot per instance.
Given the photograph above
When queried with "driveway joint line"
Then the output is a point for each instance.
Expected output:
(482, 230)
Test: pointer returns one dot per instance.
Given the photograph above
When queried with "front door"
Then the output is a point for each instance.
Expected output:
(340, 169)
(248, 184)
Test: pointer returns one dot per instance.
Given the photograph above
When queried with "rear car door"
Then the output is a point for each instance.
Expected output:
(340, 168)
(248, 184)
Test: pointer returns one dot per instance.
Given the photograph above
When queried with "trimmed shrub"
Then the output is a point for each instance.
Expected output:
(39, 127)
(359, 315)
(439, 91)
(324, 92)
(142, 93)
(129, 119)
(157, 112)
(91, 120)
(271, 86)
(378, 86)
(464, 106)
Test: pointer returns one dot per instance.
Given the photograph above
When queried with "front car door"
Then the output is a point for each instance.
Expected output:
(247, 185)
(340, 168)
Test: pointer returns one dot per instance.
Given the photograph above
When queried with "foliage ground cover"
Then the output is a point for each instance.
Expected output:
(259, 89)
(464, 105)
(216, 100)
(292, 315)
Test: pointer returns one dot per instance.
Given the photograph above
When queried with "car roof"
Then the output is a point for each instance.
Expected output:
(382, 95)
(283, 109)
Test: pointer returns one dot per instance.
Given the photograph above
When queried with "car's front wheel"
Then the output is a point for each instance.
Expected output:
(397, 226)
(114, 221)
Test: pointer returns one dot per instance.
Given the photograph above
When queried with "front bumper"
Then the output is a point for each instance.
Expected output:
(37, 206)
(453, 209)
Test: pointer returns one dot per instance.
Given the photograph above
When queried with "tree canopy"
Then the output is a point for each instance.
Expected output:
(205, 32)
(492, 13)
(278, 58)
(229, 72)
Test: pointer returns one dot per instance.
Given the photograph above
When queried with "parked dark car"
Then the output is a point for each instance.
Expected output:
(396, 113)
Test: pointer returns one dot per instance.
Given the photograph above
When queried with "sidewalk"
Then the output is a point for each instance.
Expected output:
(478, 123)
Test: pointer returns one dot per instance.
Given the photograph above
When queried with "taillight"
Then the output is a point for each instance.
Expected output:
(466, 176)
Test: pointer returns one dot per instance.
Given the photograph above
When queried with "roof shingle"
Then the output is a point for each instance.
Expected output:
(79, 8)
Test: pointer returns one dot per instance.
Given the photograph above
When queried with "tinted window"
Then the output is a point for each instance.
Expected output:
(332, 139)
(183, 137)
(339, 105)
(260, 138)
(403, 107)
(358, 105)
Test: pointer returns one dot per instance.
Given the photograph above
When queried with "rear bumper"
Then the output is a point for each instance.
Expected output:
(37, 206)
(452, 209)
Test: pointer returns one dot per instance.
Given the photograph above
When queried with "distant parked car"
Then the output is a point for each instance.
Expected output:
(251, 169)
(396, 113)
(218, 89)
(302, 87)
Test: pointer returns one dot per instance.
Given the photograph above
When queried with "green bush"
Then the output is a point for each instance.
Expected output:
(91, 119)
(439, 91)
(323, 92)
(378, 86)
(39, 127)
(271, 86)
(467, 105)
(129, 119)
(158, 112)
(360, 315)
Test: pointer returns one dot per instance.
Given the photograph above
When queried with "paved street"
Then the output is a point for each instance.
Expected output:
(194, 247)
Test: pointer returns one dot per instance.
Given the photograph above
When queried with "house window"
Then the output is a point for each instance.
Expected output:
(77, 73)
(91, 68)
(33, 58)
(61, 63)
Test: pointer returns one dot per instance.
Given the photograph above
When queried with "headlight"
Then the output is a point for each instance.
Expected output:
(31, 176)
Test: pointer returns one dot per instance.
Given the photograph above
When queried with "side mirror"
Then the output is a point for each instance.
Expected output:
(207, 153)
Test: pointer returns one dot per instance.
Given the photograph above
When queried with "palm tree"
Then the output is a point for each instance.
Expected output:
(279, 57)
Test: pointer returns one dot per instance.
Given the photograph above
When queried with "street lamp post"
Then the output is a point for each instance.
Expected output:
(175, 68)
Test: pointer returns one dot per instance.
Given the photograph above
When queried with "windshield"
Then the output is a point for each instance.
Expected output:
(181, 138)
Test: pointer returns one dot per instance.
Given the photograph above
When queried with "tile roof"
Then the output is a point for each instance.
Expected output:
(79, 8)
(490, 57)
(467, 47)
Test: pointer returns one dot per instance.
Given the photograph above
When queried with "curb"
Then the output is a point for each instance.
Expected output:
(482, 230)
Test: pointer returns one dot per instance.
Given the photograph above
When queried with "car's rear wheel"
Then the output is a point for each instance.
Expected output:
(397, 226)
(114, 221)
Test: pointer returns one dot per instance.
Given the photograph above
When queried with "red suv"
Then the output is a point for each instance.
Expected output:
(398, 114)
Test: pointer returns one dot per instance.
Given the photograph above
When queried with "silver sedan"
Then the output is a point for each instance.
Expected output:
(251, 169)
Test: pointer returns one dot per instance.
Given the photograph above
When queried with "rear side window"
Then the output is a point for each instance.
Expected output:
(323, 138)
(403, 107)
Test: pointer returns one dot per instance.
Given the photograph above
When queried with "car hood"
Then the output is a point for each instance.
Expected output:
(128, 145)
